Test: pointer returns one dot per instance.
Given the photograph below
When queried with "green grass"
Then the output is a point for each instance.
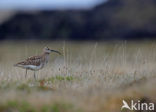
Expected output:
(22, 106)
(61, 78)
(12, 106)
(37, 85)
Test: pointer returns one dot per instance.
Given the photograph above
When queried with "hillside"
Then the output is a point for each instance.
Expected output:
(113, 20)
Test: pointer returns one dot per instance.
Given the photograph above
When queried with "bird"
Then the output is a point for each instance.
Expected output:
(36, 63)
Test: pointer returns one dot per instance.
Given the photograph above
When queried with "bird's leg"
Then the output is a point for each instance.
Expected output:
(26, 73)
(34, 75)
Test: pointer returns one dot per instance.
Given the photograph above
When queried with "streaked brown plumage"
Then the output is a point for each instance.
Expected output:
(36, 62)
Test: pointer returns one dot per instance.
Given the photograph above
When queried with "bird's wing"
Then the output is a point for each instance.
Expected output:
(33, 58)
(31, 61)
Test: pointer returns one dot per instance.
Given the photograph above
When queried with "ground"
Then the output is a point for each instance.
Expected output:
(89, 77)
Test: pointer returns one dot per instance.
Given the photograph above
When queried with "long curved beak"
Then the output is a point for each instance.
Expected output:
(56, 52)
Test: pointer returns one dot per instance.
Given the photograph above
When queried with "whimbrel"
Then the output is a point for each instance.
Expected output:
(36, 63)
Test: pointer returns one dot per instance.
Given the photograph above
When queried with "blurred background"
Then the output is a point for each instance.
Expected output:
(78, 20)
(108, 54)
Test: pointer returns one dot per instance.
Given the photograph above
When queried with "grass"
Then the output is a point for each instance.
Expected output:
(61, 78)
(89, 77)
(16, 106)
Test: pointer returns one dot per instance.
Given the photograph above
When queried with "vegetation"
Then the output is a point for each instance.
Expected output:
(16, 106)
(89, 77)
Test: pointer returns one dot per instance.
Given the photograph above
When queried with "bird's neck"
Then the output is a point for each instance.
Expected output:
(45, 56)
(46, 53)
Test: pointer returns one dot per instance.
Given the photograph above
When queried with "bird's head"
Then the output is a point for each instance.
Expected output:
(47, 50)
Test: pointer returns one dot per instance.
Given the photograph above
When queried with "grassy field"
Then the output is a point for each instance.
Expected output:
(89, 77)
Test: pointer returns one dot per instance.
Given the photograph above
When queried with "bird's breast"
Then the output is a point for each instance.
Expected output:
(34, 67)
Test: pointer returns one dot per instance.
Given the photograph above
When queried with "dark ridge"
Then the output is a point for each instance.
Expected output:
(113, 20)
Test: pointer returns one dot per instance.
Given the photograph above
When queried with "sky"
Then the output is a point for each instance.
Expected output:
(48, 4)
